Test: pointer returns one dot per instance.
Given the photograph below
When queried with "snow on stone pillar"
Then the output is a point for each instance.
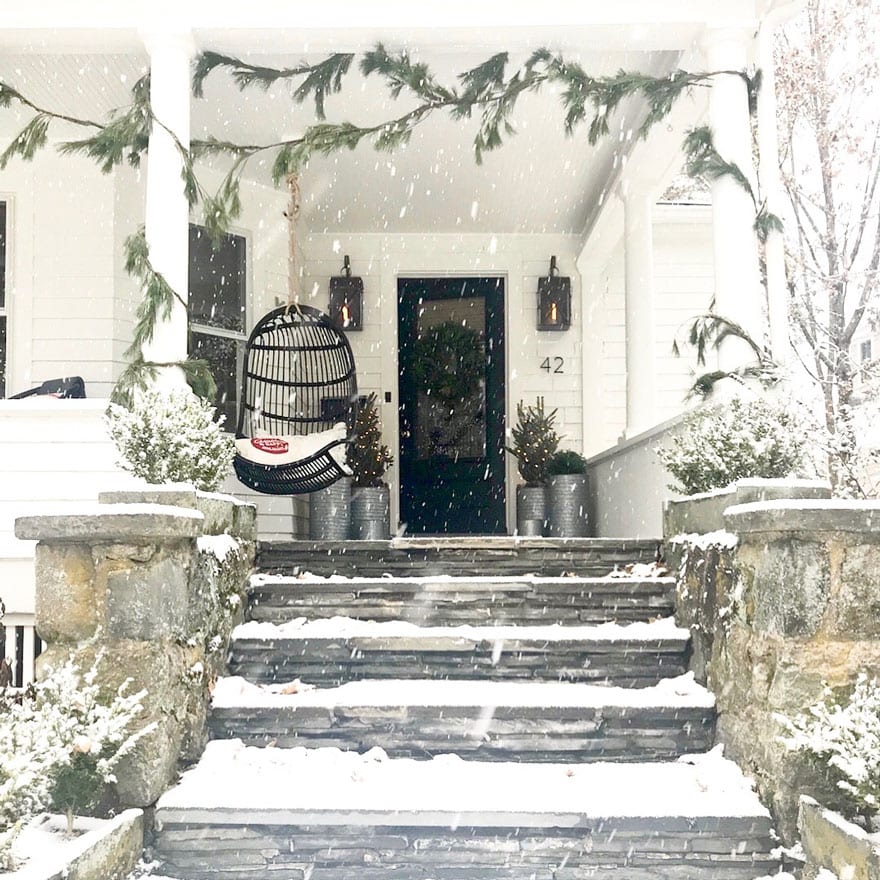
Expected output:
(771, 190)
(738, 292)
(639, 280)
(167, 211)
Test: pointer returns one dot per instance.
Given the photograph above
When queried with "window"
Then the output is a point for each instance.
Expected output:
(3, 316)
(865, 351)
(217, 301)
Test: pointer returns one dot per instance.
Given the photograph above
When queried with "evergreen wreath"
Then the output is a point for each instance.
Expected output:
(448, 361)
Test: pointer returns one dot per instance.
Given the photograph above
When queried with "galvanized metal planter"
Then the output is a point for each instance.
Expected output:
(567, 506)
(371, 513)
(330, 512)
(531, 510)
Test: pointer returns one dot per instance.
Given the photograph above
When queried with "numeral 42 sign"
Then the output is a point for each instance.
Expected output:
(553, 365)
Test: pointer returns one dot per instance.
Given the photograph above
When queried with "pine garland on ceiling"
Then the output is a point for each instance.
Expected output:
(486, 91)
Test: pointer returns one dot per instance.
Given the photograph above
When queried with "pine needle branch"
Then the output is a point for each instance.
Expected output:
(321, 79)
(159, 296)
(702, 159)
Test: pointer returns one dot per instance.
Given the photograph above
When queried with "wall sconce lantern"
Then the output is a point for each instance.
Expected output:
(347, 299)
(554, 300)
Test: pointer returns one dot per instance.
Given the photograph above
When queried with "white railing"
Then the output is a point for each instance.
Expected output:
(628, 486)
(21, 647)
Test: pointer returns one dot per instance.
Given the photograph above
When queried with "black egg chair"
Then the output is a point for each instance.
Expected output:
(299, 379)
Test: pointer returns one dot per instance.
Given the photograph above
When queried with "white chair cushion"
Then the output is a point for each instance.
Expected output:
(292, 447)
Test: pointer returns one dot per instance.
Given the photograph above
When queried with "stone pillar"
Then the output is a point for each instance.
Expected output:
(153, 582)
(167, 210)
(639, 273)
(738, 293)
(771, 191)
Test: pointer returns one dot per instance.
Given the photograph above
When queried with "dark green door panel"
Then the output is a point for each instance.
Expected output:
(452, 415)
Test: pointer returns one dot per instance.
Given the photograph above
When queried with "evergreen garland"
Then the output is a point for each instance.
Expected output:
(486, 90)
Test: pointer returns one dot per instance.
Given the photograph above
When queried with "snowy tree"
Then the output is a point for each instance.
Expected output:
(828, 61)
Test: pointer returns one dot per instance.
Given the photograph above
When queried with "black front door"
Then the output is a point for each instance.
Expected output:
(451, 393)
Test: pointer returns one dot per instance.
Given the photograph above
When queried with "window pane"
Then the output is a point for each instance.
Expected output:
(3, 356)
(224, 357)
(216, 280)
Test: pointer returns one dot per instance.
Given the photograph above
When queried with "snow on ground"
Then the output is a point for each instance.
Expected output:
(347, 628)
(372, 788)
(718, 538)
(682, 691)
(44, 848)
(219, 545)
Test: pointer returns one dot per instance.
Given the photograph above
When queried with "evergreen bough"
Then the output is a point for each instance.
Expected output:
(367, 456)
(534, 441)
(566, 461)
(744, 438)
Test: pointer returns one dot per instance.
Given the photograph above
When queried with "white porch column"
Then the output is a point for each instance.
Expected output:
(639, 280)
(771, 189)
(738, 294)
(167, 211)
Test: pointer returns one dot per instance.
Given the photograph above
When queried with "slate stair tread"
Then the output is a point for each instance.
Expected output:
(492, 721)
(434, 601)
(340, 814)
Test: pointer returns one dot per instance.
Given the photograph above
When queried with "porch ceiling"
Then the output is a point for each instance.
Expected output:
(540, 182)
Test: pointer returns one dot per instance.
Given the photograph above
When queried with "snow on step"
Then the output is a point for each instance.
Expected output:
(328, 813)
(448, 600)
(340, 649)
(493, 721)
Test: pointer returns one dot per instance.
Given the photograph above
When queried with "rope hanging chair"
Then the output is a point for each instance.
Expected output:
(298, 385)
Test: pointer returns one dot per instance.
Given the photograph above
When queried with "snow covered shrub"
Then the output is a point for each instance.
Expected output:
(59, 743)
(172, 438)
(845, 738)
(744, 438)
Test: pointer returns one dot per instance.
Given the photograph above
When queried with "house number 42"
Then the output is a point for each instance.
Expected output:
(553, 365)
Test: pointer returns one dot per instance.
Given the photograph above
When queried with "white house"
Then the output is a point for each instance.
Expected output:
(639, 268)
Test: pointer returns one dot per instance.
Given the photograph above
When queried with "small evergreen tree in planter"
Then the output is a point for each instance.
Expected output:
(567, 496)
(368, 459)
(534, 442)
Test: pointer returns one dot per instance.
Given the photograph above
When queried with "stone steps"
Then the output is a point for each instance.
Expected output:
(460, 556)
(438, 601)
(487, 721)
(467, 709)
(323, 814)
(331, 652)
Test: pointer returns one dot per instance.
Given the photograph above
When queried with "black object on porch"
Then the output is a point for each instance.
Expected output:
(299, 379)
(71, 387)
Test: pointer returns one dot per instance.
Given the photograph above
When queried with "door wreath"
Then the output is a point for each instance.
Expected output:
(448, 361)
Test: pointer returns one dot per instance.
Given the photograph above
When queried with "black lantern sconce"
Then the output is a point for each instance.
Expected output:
(347, 299)
(554, 300)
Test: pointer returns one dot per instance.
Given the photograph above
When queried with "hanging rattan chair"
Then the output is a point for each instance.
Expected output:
(298, 382)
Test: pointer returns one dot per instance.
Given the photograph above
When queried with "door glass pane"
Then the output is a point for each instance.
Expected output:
(449, 364)
(217, 280)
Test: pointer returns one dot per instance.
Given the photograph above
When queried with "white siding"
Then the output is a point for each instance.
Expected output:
(683, 286)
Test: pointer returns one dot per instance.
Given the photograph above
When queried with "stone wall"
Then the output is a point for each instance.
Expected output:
(153, 582)
(787, 606)
(833, 844)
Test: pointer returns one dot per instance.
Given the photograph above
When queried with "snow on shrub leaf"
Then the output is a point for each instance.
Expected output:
(59, 743)
(744, 438)
(845, 737)
(172, 438)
